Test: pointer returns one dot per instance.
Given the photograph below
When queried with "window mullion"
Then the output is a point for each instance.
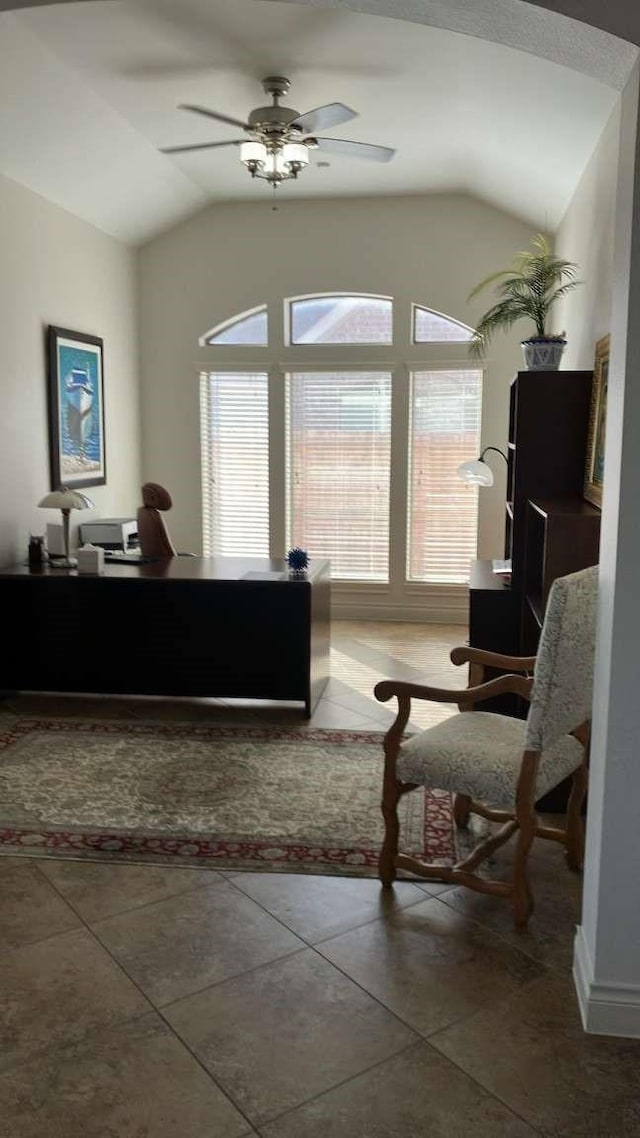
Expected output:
(400, 407)
(278, 537)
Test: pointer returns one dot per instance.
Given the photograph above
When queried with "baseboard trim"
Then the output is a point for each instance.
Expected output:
(426, 610)
(606, 1009)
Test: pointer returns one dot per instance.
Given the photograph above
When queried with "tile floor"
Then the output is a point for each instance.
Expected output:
(151, 1002)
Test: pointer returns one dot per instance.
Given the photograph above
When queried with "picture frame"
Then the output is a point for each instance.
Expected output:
(76, 409)
(594, 470)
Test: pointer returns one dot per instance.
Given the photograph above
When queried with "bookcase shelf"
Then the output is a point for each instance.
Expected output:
(562, 535)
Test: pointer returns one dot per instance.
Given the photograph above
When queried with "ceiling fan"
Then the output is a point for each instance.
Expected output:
(279, 139)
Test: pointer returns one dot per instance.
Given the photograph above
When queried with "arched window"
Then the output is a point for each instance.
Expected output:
(297, 445)
(340, 318)
(430, 327)
(247, 328)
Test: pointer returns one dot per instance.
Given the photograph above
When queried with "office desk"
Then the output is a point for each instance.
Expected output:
(187, 626)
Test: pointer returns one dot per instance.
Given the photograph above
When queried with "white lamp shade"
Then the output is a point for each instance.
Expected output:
(295, 152)
(66, 499)
(253, 152)
(475, 472)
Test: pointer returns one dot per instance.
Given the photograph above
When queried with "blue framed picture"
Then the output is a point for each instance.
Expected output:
(76, 409)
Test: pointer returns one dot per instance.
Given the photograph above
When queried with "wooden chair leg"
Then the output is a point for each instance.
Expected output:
(389, 851)
(574, 838)
(522, 896)
(461, 810)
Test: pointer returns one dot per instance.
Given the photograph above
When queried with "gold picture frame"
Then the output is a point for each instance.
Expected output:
(594, 470)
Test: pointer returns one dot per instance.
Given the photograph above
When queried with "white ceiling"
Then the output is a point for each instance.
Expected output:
(89, 92)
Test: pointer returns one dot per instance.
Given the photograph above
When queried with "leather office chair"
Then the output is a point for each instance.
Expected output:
(152, 531)
(498, 766)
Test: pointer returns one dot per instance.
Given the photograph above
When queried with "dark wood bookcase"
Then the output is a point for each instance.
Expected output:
(548, 424)
(550, 529)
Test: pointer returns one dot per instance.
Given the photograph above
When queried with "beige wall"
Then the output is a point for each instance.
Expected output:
(55, 269)
(586, 237)
(228, 258)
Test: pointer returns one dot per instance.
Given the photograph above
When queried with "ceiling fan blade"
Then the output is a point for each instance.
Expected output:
(199, 146)
(355, 149)
(322, 117)
(213, 115)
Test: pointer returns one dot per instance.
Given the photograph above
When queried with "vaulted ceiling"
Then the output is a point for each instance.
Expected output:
(89, 92)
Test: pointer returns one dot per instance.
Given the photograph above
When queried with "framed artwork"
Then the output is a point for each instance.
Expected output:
(594, 471)
(76, 409)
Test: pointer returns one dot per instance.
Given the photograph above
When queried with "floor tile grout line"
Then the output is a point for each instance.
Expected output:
(158, 1009)
(416, 1043)
(478, 1082)
(187, 1046)
(343, 1083)
(330, 936)
(133, 908)
(425, 1036)
(552, 968)
(152, 1009)
(232, 976)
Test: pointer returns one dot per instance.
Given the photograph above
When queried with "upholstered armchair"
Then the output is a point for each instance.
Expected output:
(498, 766)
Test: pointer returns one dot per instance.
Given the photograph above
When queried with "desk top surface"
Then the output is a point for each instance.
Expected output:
(249, 570)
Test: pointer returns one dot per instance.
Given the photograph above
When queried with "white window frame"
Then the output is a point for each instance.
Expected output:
(289, 300)
(399, 599)
(239, 318)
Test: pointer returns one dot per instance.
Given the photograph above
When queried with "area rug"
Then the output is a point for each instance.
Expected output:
(196, 794)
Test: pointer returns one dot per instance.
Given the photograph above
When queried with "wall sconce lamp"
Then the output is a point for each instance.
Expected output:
(66, 500)
(476, 471)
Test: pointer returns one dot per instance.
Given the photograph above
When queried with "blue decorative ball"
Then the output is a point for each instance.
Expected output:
(297, 559)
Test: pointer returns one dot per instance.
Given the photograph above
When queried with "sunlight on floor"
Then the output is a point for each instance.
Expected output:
(420, 647)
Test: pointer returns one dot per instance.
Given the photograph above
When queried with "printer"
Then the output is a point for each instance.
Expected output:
(110, 533)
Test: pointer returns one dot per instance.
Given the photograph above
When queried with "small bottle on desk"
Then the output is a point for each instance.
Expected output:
(36, 552)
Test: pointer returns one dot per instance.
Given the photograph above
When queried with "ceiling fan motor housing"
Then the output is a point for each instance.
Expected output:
(274, 119)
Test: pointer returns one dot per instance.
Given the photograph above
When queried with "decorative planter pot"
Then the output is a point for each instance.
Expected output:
(541, 354)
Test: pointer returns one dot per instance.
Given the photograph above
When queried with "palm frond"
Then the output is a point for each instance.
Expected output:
(526, 290)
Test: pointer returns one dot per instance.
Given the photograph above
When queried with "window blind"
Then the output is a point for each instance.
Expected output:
(338, 469)
(234, 416)
(442, 509)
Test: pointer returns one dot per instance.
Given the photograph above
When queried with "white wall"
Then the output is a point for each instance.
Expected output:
(431, 249)
(586, 237)
(600, 232)
(55, 269)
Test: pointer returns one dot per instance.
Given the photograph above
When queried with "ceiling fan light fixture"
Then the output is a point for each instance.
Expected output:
(276, 162)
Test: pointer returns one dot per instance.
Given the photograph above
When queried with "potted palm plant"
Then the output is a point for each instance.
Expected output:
(527, 290)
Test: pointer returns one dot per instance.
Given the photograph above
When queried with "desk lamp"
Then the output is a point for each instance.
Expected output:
(476, 471)
(66, 500)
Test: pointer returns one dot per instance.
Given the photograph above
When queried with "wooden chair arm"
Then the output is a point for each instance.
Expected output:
(467, 655)
(519, 685)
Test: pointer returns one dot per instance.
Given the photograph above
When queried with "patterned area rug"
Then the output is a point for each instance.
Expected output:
(223, 797)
